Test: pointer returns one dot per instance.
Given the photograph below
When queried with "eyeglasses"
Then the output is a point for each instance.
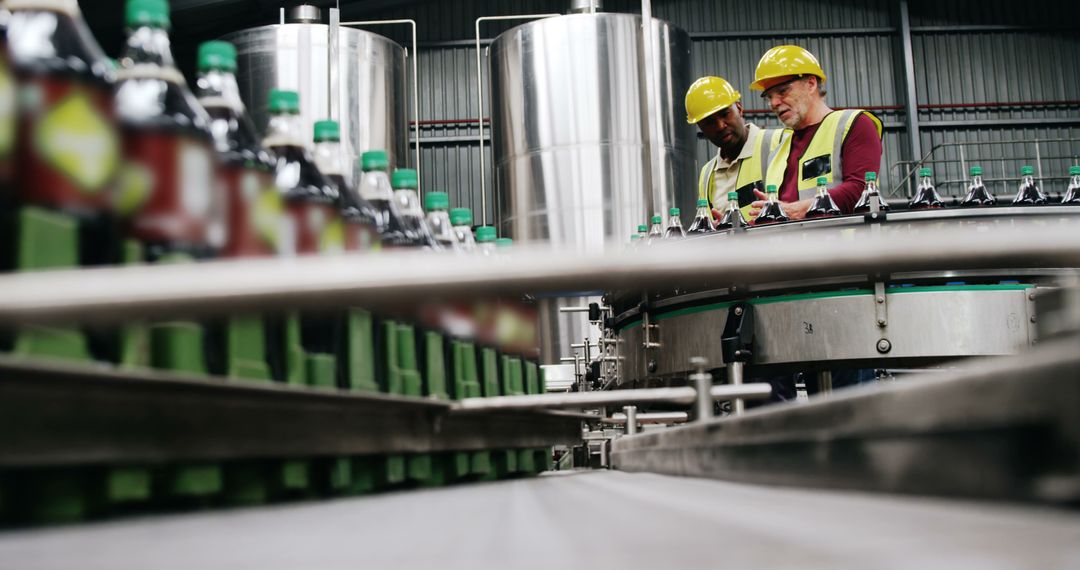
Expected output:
(780, 89)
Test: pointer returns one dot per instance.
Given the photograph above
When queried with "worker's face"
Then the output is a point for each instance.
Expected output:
(792, 100)
(725, 128)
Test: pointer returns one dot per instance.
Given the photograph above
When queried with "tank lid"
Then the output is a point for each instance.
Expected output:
(585, 6)
(305, 14)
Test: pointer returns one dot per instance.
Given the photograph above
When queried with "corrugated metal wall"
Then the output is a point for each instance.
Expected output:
(965, 52)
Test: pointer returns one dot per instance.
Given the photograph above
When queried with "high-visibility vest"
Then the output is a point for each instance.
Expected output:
(751, 169)
(822, 157)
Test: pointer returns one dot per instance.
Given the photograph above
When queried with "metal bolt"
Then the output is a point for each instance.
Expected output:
(738, 310)
(882, 322)
(651, 366)
(1032, 318)
(884, 346)
(1031, 296)
(880, 300)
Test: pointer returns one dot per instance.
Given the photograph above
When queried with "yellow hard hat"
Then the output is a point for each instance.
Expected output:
(708, 95)
(785, 61)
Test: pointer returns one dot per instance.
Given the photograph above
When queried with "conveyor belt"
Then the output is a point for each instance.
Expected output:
(581, 520)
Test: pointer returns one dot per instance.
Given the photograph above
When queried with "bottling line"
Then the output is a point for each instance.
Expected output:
(365, 382)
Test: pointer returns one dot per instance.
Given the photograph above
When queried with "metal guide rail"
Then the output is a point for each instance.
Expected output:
(1005, 429)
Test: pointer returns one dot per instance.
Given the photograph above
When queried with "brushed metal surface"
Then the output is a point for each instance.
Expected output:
(570, 129)
(922, 326)
(371, 83)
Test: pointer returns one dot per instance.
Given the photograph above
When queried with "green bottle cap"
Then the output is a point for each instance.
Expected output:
(732, 196)
(1026, 171)
(153, 13)
(976, 171)
(507, 242)
(282, 101)
(327, 131)
(374, 160)
(657, 219)
(404, 178)
(643, 228)
(822, 181)
(770, 189)
(1074, 171)
(436, 201)
(486, 234)
(925, 172)
(702, 203)
(217, 55)
(461, 217)
(673, 212)
(871, 176)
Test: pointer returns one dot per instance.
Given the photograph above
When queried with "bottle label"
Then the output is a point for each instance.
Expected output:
(7, 109)
(68, 150)
(315, 227)
(254, 213)
(170, 190)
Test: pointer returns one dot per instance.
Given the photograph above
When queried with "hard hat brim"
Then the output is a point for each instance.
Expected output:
(690, 120)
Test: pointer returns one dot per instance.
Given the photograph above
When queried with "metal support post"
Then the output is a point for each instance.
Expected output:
(631, 419)
(702, 381)
(735, 378)
(910, 102)
(824, 381)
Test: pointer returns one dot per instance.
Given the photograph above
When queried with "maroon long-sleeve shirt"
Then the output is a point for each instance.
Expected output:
(860, 154)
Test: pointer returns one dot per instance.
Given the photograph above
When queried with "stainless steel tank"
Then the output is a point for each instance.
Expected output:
(571, 135)
(371, 77)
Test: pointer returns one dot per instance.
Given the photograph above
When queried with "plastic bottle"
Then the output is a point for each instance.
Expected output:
(823, 205)
(733, 216)
(360, 232)
(926, 196)
(170, 194)
(771, 212)
(703, 223)
(314, 222)
(66, 148)
(656, 230)
(404, 182)
(375, 189)
(643, 231)
(1072, 195)
(863, 205)
(485, 240)
(1029, 193)
(977, 194)
(438, 220)
(247, 170)
(8, 116)
(461, 218)
(674, 229)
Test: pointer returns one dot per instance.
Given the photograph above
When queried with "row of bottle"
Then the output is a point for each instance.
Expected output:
(926, 197)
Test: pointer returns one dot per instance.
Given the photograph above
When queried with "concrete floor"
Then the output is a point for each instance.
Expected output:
(572, 520)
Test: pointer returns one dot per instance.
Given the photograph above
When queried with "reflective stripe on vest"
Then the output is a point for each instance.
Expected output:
(750, 171)
(823, 155)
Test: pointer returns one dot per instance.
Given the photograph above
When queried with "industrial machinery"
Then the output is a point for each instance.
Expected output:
(577, 159)
(365, 90)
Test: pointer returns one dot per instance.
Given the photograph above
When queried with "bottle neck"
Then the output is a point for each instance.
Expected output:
(375, 185)
(926, 182)
(1027, 180)
(976, 180)
(218, 89)
(147, 45)
(702, 212)
(732, 205)
(871, 187)
(771, 196)
(409, 202)
(674, 222)
(284, 129)
(1074, 182)
(822, 191)
(328, 158)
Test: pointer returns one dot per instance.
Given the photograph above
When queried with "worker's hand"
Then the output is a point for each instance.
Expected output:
(794, 210)
(717, 214)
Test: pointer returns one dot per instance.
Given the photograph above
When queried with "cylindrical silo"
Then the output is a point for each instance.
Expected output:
(371, 78)
(571, 133)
